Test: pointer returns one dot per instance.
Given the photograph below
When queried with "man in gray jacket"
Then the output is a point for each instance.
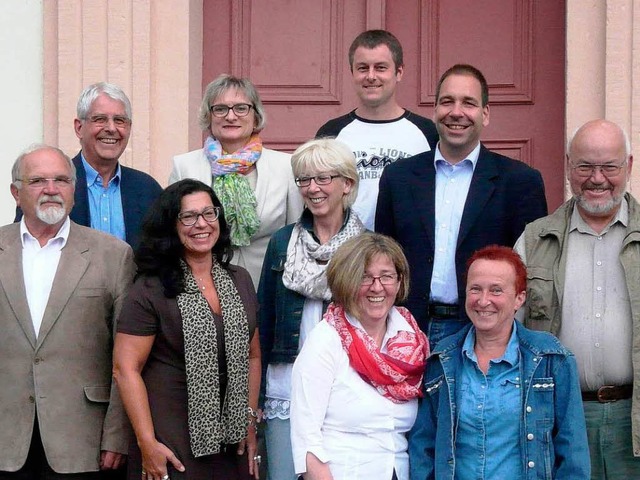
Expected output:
(61, 289)
(583, 285)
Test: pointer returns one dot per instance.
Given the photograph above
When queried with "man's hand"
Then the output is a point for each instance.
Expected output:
(111, 460)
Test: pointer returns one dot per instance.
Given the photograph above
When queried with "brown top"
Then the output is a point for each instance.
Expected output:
(147, 311)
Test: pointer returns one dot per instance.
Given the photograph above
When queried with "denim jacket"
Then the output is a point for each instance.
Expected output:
(553, 441)
(280, 311)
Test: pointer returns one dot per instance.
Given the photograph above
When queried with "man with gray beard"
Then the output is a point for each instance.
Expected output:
(583, 285)
(61, 289)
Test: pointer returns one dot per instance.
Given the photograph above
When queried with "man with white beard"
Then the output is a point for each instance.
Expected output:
(61, 289)
(583, 285)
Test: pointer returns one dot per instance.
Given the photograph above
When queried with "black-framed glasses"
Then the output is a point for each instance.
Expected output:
(586, 170)
(240, 109)
(190, 218)
(41, 182)
(386, 279)
(102, 120)
(322, 179)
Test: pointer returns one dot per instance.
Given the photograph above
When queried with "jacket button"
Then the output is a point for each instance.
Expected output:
(531, 464)
(530, 436)
(31, 399)
(37, 360)
(529, 409)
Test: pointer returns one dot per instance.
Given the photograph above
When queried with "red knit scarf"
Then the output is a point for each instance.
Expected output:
(396, 374)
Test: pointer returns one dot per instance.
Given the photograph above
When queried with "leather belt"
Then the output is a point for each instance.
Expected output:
(443, 311)
(608, 393)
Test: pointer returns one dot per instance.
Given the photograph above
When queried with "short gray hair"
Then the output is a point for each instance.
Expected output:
(327, 154)
(227, 82)
(16, 170)
(89, 95)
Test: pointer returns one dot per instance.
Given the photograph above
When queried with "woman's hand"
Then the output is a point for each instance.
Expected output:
(251, 444)
(154, 461)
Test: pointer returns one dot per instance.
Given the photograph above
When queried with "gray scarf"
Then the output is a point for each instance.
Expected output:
(306, 264)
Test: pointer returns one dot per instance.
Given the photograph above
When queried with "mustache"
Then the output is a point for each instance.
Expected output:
(50, 198)
(589, 185)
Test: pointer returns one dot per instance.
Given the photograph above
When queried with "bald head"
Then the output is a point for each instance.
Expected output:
(599, 128)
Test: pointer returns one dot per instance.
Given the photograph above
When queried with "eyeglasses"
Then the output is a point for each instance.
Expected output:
(41, 182)
(586, 170)
(190, 218)
(386, 279)
(103, 120)
(240, 109)
(323, 179)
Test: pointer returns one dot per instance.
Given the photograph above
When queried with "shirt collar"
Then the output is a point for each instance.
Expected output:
(92, 174)
(472, 157)
(578, 223)
(61, 237)
(511, 353)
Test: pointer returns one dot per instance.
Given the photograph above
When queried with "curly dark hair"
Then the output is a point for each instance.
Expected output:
(160, 249)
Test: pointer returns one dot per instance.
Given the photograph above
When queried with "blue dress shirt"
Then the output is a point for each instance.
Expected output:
(105, 204)
(488, 436)
(452, 187)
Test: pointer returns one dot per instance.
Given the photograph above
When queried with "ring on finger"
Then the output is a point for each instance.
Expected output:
(165, 477)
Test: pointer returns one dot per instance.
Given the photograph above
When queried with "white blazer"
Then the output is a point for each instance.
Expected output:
(279, 202)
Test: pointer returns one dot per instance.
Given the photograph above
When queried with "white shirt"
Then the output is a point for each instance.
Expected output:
(39, 266)
(343, 420)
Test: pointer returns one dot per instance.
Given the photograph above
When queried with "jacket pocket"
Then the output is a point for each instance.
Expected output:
(540, 294)
(432, 387)
(98, 394)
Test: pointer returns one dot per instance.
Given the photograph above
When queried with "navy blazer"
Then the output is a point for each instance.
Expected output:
(138, 190)
(504, 196)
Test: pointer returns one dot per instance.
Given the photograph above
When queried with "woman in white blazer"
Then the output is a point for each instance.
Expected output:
(255, 184)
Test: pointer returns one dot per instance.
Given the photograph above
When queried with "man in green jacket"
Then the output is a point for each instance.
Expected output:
(583, 285)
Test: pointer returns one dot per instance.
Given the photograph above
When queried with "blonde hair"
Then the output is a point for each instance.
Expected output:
(327, 154)
(349, 262)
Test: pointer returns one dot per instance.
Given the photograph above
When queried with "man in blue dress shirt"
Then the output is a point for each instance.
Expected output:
(444, 204)
(109, 196)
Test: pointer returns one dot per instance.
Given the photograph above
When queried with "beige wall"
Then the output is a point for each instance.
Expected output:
(152, 49)
(20, 87)
(601, 68)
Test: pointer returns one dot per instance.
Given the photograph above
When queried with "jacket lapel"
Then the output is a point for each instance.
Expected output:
(71, 268)
(262, 184)
(12, 280)
(423, 193)
(480, 191)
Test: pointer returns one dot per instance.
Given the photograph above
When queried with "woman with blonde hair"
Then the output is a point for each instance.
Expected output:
(293, 291)
(356, 382)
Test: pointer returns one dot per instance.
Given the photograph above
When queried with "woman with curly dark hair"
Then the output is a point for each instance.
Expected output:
(187, 355)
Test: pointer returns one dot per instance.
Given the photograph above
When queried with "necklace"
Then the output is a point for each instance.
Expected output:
(201, 284)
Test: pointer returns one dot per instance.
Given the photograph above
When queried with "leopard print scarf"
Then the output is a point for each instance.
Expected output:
(209, 425)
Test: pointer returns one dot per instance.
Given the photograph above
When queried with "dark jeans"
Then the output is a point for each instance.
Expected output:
(439, 328)
(37, 468)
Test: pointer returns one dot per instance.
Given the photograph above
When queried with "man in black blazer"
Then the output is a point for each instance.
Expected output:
(108, 197)
(443, 205)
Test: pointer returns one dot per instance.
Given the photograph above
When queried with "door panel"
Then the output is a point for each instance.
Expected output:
(295, 51)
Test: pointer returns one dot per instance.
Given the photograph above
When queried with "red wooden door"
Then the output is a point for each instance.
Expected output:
(295, 51)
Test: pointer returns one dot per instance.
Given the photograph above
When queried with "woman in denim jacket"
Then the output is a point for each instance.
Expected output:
(501, 401)
(293, 291)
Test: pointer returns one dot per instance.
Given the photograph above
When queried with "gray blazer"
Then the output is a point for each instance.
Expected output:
(64, 373)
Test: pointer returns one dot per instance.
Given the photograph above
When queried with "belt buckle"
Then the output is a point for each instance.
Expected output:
(601, 394)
